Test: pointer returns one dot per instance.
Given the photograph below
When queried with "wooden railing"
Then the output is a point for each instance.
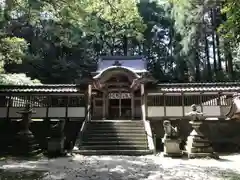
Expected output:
(214, 104)
(187, 99)
(149, 134)
(87, 118)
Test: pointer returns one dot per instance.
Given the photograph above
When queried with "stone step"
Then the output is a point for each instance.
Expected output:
(110, 138)
(113, 152)
(140, 128)
(102, 131)
(114, 137)
(116, 127)
(121, 124)
(114, 134)
(114, 147)
(129, 143)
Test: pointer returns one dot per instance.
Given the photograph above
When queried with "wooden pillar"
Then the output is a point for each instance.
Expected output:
(89, 101)
(201, 101)
(164, 104)
(183, 106)
(104, 105)
(8, 106)
(107, 104)
(132, 105)
(67, 104)
(120, 103)
(143, 102)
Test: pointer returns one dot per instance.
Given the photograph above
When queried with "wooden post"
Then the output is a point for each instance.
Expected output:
(120, 103)
(48, 105)
(89, 101)
(132, 105)
(143, 102)
(104, 105)
(201, 101)
(8, 106)
(107, 104)
(164, 104)
(67, 104)
(183, 106)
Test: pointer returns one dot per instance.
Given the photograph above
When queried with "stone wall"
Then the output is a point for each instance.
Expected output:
(225, 135)
(40, 129)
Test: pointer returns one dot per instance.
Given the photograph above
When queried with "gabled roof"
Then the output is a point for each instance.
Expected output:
(136, 64)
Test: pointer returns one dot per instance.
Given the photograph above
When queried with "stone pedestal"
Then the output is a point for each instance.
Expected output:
(56, 141)
(171, 147)
(25, 143)
(198, 146)
(56, 146)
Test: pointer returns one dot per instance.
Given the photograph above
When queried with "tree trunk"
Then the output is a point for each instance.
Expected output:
(197, 67)
(229, 59)
(218, 53)
(213, 41)
(217, 22)
(125, 46)
(209, 69)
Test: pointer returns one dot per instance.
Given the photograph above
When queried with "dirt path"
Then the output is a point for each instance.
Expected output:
(122, 167)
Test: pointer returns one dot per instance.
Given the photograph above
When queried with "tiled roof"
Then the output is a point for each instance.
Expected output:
(198, 87)
(45, 88)
(200, 84)
(135, 63)
(174, 87)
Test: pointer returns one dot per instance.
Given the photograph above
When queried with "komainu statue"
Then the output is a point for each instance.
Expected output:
(171, 140)
(170, 131)
(194, 113)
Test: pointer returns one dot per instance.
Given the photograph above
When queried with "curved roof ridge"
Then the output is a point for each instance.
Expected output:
(113, 68)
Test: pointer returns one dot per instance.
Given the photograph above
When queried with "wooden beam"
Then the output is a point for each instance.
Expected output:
(89, 101)
(132, 105)
(104, 105)
(143, 102)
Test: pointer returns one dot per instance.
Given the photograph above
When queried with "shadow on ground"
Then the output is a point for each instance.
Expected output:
(111, 168)
(22, 175)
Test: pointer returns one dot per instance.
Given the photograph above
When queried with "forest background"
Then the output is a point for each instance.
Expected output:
(60, 41)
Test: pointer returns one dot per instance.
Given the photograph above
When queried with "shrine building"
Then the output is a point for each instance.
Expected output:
(121, 90)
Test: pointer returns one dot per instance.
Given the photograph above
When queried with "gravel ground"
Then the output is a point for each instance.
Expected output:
(121, 167)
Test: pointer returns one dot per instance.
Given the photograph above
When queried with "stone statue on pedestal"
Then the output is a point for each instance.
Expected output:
(25, 143)
(26, 120)
(171, 140)
(56, 141)
(194, 113)
(197, 144)
(170, 131)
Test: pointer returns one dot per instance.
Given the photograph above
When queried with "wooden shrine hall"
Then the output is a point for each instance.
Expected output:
(121, 88)
(121, 92)
(119, 85)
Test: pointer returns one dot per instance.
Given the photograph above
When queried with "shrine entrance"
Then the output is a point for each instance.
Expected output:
(119, 87)
(119, 106)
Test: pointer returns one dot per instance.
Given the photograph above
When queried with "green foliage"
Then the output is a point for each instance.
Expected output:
(60, 41)
(230, 29)
(17, 79)
(12, 50)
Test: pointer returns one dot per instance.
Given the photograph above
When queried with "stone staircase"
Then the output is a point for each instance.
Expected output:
(114, 137)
